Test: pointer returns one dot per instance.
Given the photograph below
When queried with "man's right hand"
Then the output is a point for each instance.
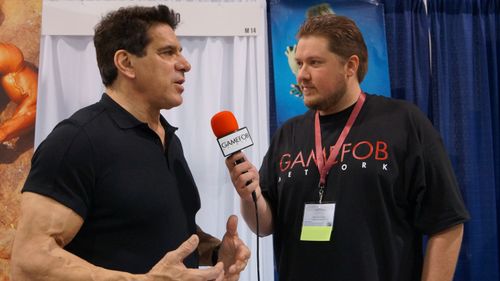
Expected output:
(244, 176)
(171, 267)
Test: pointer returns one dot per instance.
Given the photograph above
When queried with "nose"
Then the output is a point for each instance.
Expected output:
(183, 65)
(303, 74)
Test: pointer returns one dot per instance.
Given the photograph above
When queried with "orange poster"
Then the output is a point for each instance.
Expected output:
(19, 53)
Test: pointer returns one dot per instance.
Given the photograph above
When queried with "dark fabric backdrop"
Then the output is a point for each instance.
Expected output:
(460, 93)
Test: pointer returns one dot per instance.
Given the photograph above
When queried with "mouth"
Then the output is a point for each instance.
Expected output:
(179, 83)
(306, 88)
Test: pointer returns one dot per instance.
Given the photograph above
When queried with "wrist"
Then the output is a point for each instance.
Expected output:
(215, 254)
(250, 198)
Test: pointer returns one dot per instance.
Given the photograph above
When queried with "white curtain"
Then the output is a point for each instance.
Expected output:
(228, 73)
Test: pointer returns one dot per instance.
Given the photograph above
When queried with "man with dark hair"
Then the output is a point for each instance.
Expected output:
(350, 188)
(110, 195)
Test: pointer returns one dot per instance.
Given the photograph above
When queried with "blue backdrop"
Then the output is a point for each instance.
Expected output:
(285, 18)
(456, 81)
(465, 92)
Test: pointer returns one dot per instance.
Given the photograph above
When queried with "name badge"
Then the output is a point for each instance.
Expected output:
(318, 222)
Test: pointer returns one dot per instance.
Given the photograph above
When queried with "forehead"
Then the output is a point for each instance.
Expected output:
(162, 35)
(312, 46)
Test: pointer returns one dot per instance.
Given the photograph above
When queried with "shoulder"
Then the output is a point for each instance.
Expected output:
(299, 122)
(395, 108)
(71, 131)
(384, 102)
(85, 115)
(401, 116)
(82, 120)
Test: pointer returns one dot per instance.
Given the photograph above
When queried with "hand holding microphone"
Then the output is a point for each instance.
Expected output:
(244, 176)
(231, 141)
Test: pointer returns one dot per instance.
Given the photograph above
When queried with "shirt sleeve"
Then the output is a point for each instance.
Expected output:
(439, 203)
(62, 168)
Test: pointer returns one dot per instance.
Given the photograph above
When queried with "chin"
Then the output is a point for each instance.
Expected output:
(178, 102)
(311, 104)
(172, 103)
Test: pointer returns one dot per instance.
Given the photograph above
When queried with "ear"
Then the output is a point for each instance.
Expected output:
(123, 63)
(352, 65)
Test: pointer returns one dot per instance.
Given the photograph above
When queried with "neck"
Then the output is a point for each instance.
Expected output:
(135, 105)
(349, 98)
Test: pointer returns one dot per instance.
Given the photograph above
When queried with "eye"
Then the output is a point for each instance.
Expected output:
(168, 52)
(299, 63)
(315, 62)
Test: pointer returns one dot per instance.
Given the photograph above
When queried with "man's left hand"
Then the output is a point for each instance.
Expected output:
(233, 252)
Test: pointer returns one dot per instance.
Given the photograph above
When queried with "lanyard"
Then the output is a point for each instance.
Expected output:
(322, 167)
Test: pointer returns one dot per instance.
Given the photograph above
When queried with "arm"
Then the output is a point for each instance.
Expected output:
(207, 245)
(442, 254)
(46, 226)
(241, 174)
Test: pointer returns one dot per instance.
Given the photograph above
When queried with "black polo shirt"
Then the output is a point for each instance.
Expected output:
(138, 201)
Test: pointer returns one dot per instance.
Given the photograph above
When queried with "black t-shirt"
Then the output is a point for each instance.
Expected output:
(138, 200)
(392, 182)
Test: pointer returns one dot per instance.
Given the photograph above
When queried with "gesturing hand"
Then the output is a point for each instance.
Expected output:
(171, 268)
(233, 252)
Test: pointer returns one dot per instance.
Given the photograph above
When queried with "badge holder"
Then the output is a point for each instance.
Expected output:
(317, 224)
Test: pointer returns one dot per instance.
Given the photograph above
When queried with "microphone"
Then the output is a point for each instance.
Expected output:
(230, 138)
